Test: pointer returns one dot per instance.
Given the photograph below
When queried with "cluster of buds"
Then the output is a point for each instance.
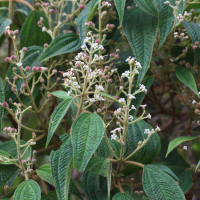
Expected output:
(11, 33)
(195, 45)
(181, 35)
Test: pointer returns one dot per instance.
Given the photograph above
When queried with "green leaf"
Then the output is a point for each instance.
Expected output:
(120, 196)
(166, 18)
(64, 43)
(44, 172)
(74, 190)
(31, 33)
(87, 132)
(120, 4)
(28, 189)
(103, 149)
(147, 6)
(140, 29)
(98, 166)
(194, 32)
(147, 154)
(197, 166)
(3, 25)
(167, 170)
(50, 196)
(22, 11)
(185, 75)
(61, 94)
(61, 167)
(3, 156)
(110, 97)
(159, 185)
(57, 116)
(175, 142)
(94, 186)
(2, 99)
(185, 177)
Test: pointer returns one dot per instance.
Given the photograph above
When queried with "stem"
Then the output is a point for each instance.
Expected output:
(100, 33)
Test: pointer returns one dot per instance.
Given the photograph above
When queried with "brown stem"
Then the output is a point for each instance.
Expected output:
(119, 186)
(44, 187)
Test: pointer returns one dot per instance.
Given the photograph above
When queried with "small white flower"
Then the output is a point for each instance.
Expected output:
(193, 102)
(7, 27)
(185, 147)
(130, 117)
(167, 2)
(147, 131)
(149, 116)
(19, 64)
(131, 96)
(122, 100)
(99, 87)
(43, 29)
(113, 137)
(133, 107)
(157, 128)
(143, 106)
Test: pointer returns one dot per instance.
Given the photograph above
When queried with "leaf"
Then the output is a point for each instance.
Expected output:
(121, 196)
(167, 170)
(3, 25)
(185, 177)
(120, 4)
(28, 189)
(61, 94)
(3, 156)
(147, 154)
(57, 116)
(140, 29)
(94, 186)
(61, 167)
(85, 16)
(44, 172)
(110, 97)
(166, 18)
(64, 43)
(2, 99)
(185, 75)
(175, 142)
(197, 166)
(87, 132)
(194, 32)
(50, 196)
(98, 166)
(103, 149)
(31, 33)
(22, 11)
(159, 185)
(147, 6)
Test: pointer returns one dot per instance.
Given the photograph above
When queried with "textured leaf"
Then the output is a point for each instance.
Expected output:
(3, 156)
(147, 6)
(31, 33)
(110, 97)
(64, 43)
(159, 185)
(50, 196)
(120, 196)
(57, 116)
(103, 149)
(120, 4)
(74, 190)
(194, 32)
(28, 189)
(44, 172)
(60, 94)
(2, 99)
(3, 25)
(175, 142)
(166, 18)
(185, 75)
(94, 186)
(140, 29)
(61, 167)
(148, 153)
(167, 170)
(98, 166)
(185, 177)
(87, 133)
